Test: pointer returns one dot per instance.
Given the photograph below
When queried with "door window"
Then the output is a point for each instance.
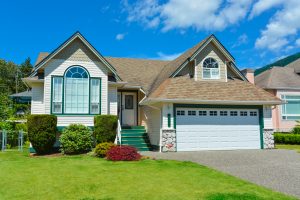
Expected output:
(128, 101)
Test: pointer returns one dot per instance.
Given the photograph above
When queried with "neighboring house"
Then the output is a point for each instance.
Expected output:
(22, 97)
(283, 82)
(198, 101)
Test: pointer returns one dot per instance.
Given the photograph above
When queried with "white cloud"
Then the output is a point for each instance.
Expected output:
(285, 23)
(163, 56)
(264, 5)
(120, 36)
(298, 42)
(242, 39)
(182, 14)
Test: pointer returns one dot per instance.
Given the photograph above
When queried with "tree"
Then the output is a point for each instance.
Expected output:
(5, 107)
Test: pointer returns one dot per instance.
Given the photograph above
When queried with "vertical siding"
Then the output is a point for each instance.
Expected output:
(37, 100)
(151, 119)
(210, 51)
(112, 100)
(268, 123)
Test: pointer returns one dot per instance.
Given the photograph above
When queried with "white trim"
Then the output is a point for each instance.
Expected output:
(217, 102)
(76, 35)
(202, 69)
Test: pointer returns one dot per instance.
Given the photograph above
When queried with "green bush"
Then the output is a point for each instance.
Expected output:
(22, 126)
(102, 148)
(296, 130)
(41, 132)
(76, 139)
(105, 128)
(286, 138)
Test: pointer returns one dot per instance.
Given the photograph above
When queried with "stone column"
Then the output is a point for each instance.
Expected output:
(168, 140)
(268, 138)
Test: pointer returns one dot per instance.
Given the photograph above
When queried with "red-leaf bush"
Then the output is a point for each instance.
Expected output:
(123, 153)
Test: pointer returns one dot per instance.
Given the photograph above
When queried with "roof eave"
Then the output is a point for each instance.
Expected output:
(150, 101)
(68, 41)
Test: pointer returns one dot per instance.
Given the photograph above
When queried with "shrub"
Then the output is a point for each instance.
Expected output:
(296, 130)
(102, 149)
(288, 138)
(123, 153)
(105, 128)
(41, 132)
(76, 139)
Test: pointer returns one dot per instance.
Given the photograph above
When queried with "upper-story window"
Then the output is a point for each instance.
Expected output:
(211, 69)
(76, 92)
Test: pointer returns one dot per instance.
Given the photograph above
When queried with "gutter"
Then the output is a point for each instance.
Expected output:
(150, 101)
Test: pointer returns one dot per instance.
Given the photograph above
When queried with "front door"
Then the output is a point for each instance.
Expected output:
(128, 108)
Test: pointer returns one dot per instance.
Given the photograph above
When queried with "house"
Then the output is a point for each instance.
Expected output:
(198, 101)
(283, 82)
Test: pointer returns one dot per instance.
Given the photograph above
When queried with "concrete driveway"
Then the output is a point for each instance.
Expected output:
(275, 169)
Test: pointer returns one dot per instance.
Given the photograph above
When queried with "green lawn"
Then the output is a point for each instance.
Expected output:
(89, 178)
(288, 146)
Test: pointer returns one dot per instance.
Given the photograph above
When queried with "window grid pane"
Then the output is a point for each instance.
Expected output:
(57, 94)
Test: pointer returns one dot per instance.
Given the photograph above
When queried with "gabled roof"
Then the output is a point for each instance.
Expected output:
(279, 78)
(76, 35)
(175, 66)
(185, 90)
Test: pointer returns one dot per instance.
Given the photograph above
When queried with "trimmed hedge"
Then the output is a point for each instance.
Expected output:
(42, 132)
(286, 138)
(76, 139)
(105, 128)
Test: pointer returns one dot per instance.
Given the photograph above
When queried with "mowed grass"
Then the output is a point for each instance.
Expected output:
(89, 178)
(288, 146)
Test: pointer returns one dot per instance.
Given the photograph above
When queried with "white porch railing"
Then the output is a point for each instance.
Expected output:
(118, 136)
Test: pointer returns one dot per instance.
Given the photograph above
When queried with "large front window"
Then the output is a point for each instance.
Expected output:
(211, 69)
(76, 92)
(291, 108)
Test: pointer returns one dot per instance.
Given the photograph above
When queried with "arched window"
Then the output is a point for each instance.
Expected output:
(76, 92)
(211, 69)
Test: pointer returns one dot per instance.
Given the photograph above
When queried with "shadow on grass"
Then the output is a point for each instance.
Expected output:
(232, 196)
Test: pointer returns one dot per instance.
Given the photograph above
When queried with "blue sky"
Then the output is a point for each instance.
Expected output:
(256, 32)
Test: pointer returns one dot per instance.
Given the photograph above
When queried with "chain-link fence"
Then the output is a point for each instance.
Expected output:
(12, 139)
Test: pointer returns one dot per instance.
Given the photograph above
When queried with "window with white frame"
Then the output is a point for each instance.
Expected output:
(76, 92)
(211, 69)
(291, 108)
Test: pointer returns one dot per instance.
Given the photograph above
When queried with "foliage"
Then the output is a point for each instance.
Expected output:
(102, 149)
(5, 106)
(105, 128)
(76, 139)
(21, 126)
(123, 153)
(42, 132)
(287, 138)
(11, 74)
(296, 129)
(5, 125)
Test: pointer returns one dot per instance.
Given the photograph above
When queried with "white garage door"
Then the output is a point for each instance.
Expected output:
(217, 129)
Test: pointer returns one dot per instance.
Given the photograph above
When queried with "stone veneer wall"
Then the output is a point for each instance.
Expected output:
(268, 138)
(168, 140)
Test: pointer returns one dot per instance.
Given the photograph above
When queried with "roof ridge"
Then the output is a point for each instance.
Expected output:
(144, 59)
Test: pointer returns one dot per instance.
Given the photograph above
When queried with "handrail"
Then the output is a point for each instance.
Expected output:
(118, 136)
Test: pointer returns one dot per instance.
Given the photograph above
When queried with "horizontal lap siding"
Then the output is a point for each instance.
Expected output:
(67, 120)
(167, 109)
(37, 101)
(268, 123)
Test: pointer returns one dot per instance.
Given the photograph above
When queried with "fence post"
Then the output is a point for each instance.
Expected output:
(20, 140)
(4, 139)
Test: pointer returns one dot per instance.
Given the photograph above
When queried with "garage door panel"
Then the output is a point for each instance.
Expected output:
(217, 132)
